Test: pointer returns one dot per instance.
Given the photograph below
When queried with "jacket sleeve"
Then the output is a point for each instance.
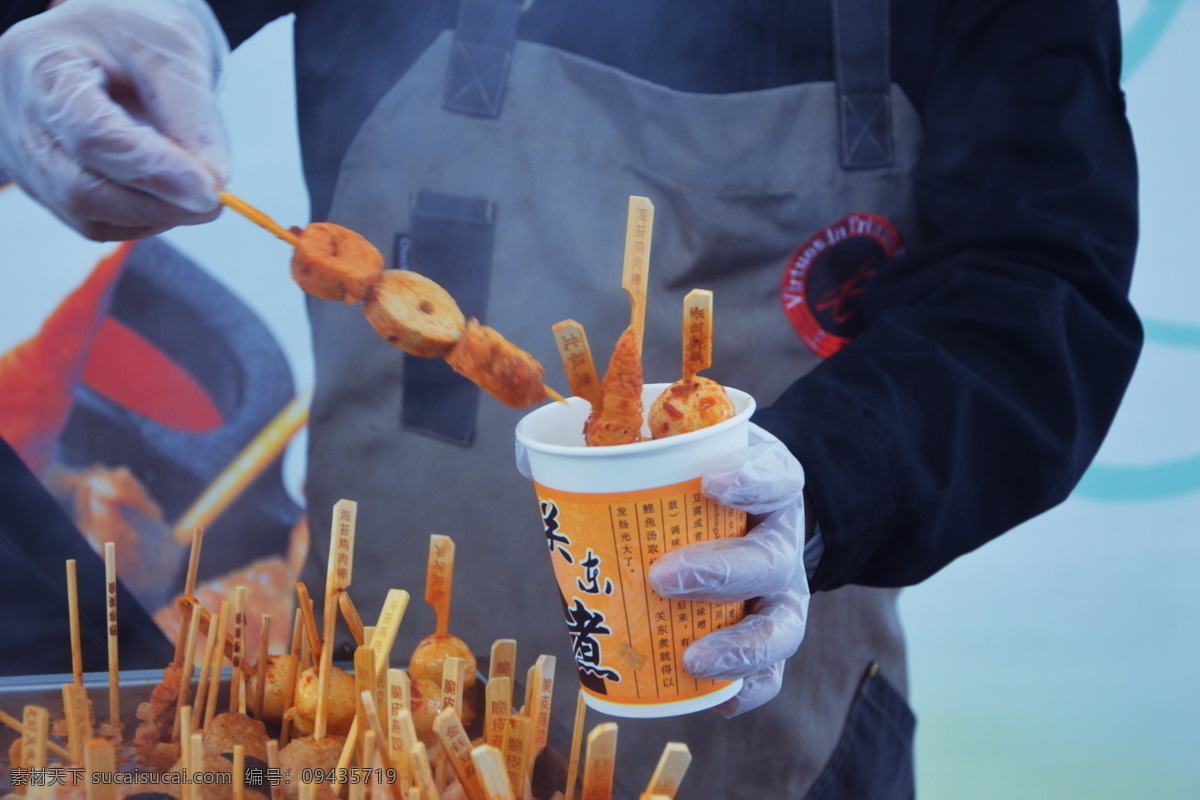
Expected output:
(996, 354)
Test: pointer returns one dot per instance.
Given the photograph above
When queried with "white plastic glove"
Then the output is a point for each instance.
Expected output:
(109, 114)
(763, 479)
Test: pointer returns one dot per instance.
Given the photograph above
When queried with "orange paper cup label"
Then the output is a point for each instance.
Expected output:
(628, 641)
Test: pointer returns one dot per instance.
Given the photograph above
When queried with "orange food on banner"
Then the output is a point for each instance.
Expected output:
(38, 376)
(135, 374)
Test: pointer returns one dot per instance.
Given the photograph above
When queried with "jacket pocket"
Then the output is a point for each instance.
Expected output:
(873, 759)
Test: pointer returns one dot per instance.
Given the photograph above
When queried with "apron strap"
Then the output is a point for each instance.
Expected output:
(862, 64)
(481, 56)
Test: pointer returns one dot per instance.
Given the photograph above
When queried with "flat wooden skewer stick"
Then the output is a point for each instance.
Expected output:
(114, 669)
(439, 579)
(672, 766)
(639, 227)
(100, 759)
(697, 333)
(577, 360)
(73, 612)
(237, 681)
(353, 620)
(489, 766)
(258, 218)
(576, 743)
(496, 710)
(599, 762)
(210, 651)
(305, 605)
(183, 699)
(273, 764)
(11, 722)
(79, 720)
(337, 579)
(187, 605)
(260, 453)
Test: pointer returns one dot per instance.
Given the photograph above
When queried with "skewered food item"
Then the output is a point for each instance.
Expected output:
(275, 692)
(431, 654)
(425, 703)
(686, 407)
(310, 754)
(231, 728)
(413, 313)
(619, 418)
(497, 366)
(340, 704)
(335, 263)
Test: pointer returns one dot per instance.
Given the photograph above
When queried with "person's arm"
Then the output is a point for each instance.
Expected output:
(996, 353)
(239, 18)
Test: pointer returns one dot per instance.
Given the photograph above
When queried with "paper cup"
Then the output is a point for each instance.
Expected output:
(608, 514)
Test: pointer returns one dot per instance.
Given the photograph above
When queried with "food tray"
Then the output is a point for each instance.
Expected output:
(549, 773)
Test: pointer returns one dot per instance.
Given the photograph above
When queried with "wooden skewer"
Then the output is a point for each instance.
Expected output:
(305, 605)
(353, 620)
(543, 695)
(489, 766)
(639, 227)
(79, 720)
(197, 755)
(503, 661)
(210, 650)
(439, 579)
(599, 763)
(422, 775)
(11, 722)
(496, 710)
(258, 218)
(576, 743)
(187, 605)
(99, 759)
(184, 721)
(260, 453)
(187, 669)
(237, 681)
(308, 791)
(215, 676)
(577, 360)
(516, 751)
(374, 741)
(697, 333)
(553, 395)
(457, 747)
(73, 612)
(364, 684)
(337, 579)
(239, 772)
(672, 766)
(401, 734)
(189, 586)
(453, 672)
(387, 625)
(531, 682)
(260, 681)
(114, 669)
(273, 764)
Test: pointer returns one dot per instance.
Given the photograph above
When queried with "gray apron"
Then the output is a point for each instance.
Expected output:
(501, 169)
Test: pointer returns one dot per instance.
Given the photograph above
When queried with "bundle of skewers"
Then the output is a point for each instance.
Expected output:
(294, 726)
(617, 415)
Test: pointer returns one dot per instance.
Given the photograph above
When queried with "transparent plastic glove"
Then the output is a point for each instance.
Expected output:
(763, 479)
(109, 114)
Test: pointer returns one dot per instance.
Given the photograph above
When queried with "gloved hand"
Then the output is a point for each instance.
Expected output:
(763, 479)
(109, 114)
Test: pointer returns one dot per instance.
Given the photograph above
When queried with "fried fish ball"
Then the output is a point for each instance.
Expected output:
(335, 263)
(497, 366)
(310, 754)
(340, 707)
(619, 418)
(425, 702)
(413, 313)
(275, 701)
(431, 654)
(231, 728)
(685, 407)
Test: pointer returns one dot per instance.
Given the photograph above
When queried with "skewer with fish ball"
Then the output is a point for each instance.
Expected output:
(430, 655)
(693, 402)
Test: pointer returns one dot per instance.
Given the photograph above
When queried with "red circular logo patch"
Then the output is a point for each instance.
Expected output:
(826, 276)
